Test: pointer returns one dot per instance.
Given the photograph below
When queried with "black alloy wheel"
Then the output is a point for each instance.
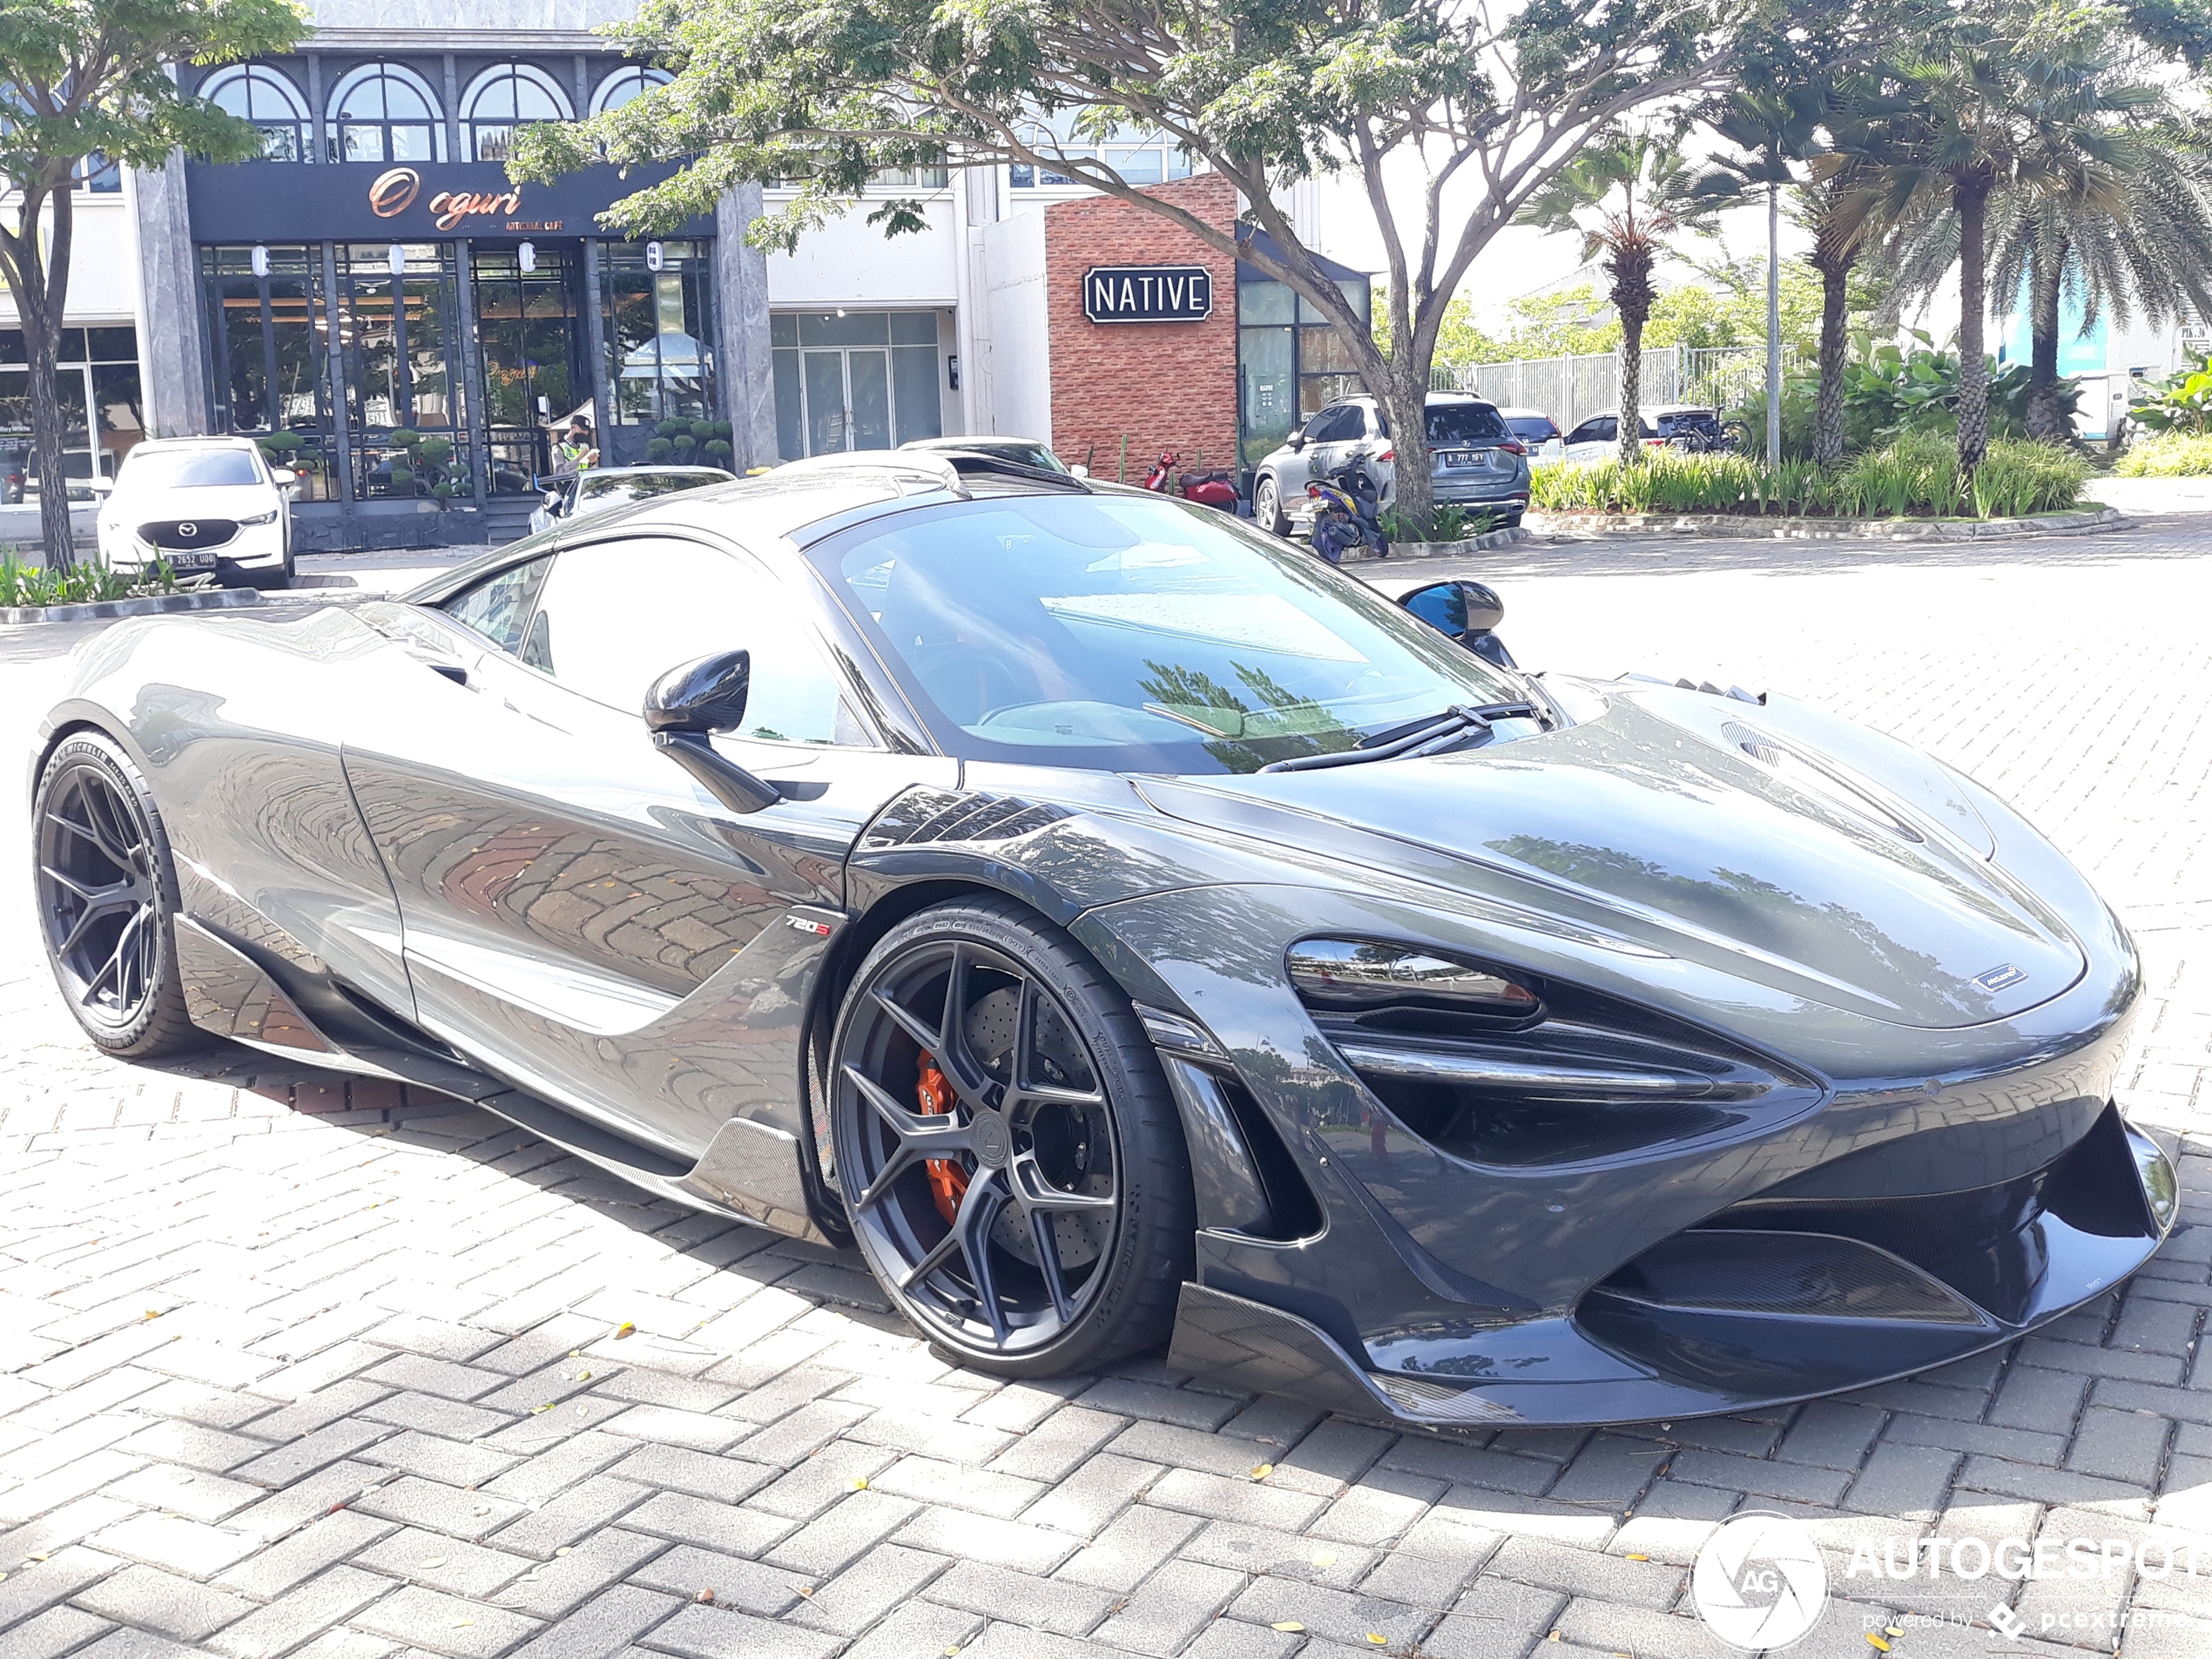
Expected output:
(1006, 1145)
(106, 894)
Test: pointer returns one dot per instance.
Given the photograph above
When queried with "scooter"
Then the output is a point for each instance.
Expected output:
(1207, 489)
(1347, 515)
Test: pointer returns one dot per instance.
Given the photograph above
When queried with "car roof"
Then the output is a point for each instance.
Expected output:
(213, 441)
(796, 503)
(972, 438)
(646, 472)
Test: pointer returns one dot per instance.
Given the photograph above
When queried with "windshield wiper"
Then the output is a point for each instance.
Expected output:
(1423, 737)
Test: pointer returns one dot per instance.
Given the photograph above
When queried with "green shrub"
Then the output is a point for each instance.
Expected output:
(30, 584)
(1915, 475)
(717, 450)
(670, 428)
(658, 448)
(2181, 402)
(2167, 454)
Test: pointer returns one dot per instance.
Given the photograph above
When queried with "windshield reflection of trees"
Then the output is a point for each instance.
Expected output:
(1188, 694)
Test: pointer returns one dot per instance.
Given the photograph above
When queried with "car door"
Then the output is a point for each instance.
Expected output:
(1596, 439)
(579, 913)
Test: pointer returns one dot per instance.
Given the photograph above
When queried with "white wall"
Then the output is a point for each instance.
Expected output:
(849, 261)
(1020, 358)
(103, 265)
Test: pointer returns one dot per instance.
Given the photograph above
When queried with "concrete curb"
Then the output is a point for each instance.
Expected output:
(152, 605)
(1446, 549)
(1593, 527)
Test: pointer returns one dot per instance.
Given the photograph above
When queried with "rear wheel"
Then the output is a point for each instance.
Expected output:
(1267, 506)
(106, 892)
(1006, 1145)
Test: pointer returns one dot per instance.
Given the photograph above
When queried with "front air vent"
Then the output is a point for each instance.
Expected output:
(1593, 1079)
(1786, 1274)
(1802, 771)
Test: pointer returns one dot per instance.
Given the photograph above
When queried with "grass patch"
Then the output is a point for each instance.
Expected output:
(2166, 455)
(85, 584)
(1916, 476)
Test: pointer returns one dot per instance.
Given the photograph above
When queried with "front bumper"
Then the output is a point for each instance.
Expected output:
(1729, 1318)
(256, 549)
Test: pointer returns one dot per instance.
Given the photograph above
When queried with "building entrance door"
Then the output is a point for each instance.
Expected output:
(535, 374)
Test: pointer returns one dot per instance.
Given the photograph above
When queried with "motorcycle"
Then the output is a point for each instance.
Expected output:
(1207, 489)
(1347, 515)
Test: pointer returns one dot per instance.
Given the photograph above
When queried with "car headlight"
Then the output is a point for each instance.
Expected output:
(1354, 973)
(268, 517)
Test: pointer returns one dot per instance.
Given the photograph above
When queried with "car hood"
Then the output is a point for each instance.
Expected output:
(1697, 830)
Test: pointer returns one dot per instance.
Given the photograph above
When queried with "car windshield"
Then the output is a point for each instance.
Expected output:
(613, 492)
(1023, 455)
(1118, 634)
(1465, 423)
(189, 469)
(1534, 427)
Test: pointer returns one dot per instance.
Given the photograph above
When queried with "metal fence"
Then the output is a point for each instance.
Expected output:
(1572, 389)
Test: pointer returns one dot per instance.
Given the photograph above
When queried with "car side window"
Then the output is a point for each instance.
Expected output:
(1330, 425)
(1603, 430)
(616, 616)
(499, 606)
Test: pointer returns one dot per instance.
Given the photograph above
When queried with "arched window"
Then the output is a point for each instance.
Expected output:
(502, 99)
(624, 84)
(267, 99)
(385, 112)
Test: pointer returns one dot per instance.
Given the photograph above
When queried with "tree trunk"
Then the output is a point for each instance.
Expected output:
(1970, 197)
(1632, 297)
(1828, 407)
(2046, 271)
(40, 289)
(1404, 399)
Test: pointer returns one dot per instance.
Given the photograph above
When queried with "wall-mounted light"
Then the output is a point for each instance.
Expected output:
(652, 256)
(528, 255)
(395, 259)
(260, 260)
(951, 371)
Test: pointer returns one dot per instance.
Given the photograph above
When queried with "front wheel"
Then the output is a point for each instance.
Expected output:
(1006, 1145)
(106, 893)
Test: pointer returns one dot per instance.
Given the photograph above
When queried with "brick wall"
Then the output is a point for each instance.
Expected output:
(1167, 385)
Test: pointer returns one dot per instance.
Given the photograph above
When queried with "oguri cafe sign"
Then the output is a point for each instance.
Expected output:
(1148, 294)
(393, 193)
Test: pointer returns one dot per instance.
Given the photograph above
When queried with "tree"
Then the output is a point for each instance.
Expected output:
(85, 78)
(1457, 110)
(1628, 194)
(2014, 101)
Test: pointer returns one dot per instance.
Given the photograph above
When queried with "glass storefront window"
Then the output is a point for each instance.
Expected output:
(659, 328)
(264, 96)
(266, 348)
(95, 375)
(1290, 361)
(503, 99)
(535, 372)
(857, 380)
(400, 370)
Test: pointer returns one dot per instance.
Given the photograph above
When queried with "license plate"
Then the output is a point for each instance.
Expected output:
(1458, 457)
(181, 563)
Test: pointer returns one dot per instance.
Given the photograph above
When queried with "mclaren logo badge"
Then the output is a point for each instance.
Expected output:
(1998, 979)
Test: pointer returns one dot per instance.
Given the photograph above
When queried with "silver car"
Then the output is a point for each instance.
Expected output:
(579, 495)
(1478, 461)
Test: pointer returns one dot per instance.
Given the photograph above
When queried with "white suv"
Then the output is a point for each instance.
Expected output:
(201, 504)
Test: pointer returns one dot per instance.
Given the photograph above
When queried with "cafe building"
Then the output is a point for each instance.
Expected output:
(377, 303)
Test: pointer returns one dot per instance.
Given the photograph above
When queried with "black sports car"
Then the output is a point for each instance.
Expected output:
(1121, 926)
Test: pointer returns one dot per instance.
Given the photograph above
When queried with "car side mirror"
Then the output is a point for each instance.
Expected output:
(553, 502)
(1466, 611)
(1079, 470)
(1296, 441)
(687, 705)
(283, 476)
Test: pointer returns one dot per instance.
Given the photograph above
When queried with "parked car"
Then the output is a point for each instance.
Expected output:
(1122, 927)
(571, 495)
(200, 505)
(1532, 427)
(1022, 452)
(1477, 461)
(1677, 426)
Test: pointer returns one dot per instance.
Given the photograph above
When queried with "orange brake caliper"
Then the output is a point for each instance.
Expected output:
(947, 1179)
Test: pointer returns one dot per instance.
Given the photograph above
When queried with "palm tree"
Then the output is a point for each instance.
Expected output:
(2145, 247)
(1627, 194)
(2006, 109)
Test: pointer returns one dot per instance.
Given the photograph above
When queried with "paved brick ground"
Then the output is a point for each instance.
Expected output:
(291, 1366)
